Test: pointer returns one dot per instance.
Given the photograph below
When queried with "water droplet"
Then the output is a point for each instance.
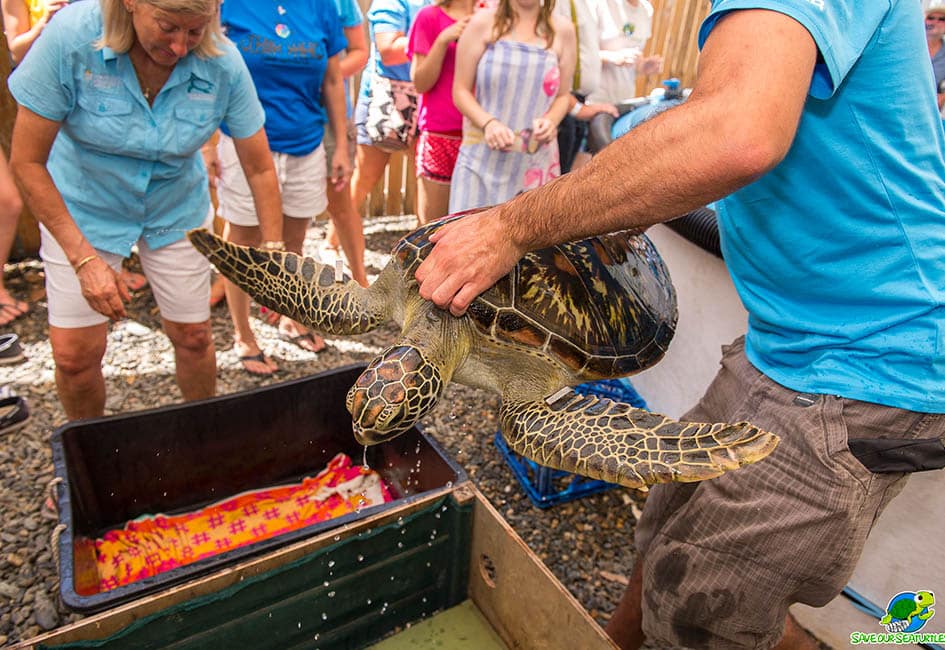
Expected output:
(325, 584)
(324, 616)
(331, 594)
(337, 537)
(368, 601)
(360, 558)
(300, 625)
(400, 544)
(331, 563)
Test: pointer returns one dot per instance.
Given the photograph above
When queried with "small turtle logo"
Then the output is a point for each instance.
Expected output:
(908, 611)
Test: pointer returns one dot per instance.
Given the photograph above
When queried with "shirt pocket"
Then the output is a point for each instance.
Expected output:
(194, 126)
(104, 123)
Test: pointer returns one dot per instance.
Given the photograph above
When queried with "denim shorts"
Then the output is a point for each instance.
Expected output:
(724, 559)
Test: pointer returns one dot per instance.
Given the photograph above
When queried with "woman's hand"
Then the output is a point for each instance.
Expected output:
(454, 31)
(53, 6)
(544, 129)
(498, 136)
(650, 64)
(103, 289)
(340, 166)
(212, 161)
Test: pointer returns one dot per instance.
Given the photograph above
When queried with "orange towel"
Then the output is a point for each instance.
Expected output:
(153, 544)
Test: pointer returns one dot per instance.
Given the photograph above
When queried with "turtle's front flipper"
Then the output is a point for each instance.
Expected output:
(298, 287)
(618, 443)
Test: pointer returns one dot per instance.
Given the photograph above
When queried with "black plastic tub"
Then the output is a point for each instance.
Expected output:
(181, 458)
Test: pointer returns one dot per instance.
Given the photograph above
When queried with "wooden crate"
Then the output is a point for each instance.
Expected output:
(350, 589)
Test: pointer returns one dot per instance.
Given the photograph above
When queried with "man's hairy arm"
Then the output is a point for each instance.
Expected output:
(739, 123)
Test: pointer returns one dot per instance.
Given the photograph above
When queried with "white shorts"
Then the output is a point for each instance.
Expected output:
(302, 183)
(179, 277)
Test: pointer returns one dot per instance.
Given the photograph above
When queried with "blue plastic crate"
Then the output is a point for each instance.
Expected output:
(546, 486)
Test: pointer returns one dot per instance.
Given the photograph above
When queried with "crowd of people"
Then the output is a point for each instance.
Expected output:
(117, 100)
(204, 88)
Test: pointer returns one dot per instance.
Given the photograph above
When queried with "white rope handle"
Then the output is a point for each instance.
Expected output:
(54, 542)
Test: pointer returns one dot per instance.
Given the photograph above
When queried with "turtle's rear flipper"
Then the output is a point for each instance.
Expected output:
(298, 287)
(618, 443)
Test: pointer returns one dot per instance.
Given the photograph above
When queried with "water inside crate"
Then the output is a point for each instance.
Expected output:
(458, 628)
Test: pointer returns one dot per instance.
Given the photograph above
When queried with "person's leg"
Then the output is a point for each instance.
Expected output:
(433, 200)
(77, 353)
(10, 207)
(795, 637)
(625, 626)
(180, 281)
(371, 162)
(195, 358)
(237, 302)
(293, 232)
(349, 231)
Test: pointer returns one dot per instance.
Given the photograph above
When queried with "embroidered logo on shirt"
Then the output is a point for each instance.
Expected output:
(101, 81)
(199, 85)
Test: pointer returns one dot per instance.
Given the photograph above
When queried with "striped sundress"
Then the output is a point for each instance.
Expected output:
(516, 83)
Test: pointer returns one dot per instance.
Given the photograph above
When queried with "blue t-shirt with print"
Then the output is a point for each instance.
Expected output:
(127, 170)
(386, 16)
(286, 47)
(839, 252)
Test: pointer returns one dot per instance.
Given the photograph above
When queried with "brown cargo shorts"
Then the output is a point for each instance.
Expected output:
(725, 558)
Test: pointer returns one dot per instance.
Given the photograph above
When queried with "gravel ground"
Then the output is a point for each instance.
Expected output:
(587, 544)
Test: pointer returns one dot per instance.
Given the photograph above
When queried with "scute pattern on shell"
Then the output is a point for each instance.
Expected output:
(604, 306)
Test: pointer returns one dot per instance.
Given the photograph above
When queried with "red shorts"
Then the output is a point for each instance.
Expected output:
(436, 155)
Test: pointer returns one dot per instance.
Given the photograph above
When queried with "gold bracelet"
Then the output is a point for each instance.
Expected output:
(272, 246)
(83, 262)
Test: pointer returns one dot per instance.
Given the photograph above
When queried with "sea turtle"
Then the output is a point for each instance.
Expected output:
(903, 609)
(599, 308)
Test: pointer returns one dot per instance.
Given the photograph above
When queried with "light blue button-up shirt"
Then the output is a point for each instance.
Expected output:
(125, 169)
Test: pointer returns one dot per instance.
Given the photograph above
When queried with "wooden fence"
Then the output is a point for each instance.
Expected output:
(675, 25)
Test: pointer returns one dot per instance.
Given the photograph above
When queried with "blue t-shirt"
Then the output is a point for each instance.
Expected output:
(386, 16)
(839, 252)
(125, 169)
(286, 47)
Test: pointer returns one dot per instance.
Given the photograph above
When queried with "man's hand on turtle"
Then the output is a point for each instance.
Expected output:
(468, 257)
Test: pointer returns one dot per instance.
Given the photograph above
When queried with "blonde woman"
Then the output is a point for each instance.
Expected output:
(510, 63)
(115, 101)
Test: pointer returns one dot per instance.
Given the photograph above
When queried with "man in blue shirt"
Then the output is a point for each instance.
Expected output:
(833, 173)
(106, 150)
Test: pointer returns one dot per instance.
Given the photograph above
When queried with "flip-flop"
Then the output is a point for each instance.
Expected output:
(15, 308)
(10, 350)
(14, 414)
(261, 358)
(296, 340)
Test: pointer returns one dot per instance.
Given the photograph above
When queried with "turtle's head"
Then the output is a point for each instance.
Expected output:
(398, 388)
(924, 598)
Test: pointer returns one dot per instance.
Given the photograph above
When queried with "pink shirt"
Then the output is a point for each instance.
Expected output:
(437, 112)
